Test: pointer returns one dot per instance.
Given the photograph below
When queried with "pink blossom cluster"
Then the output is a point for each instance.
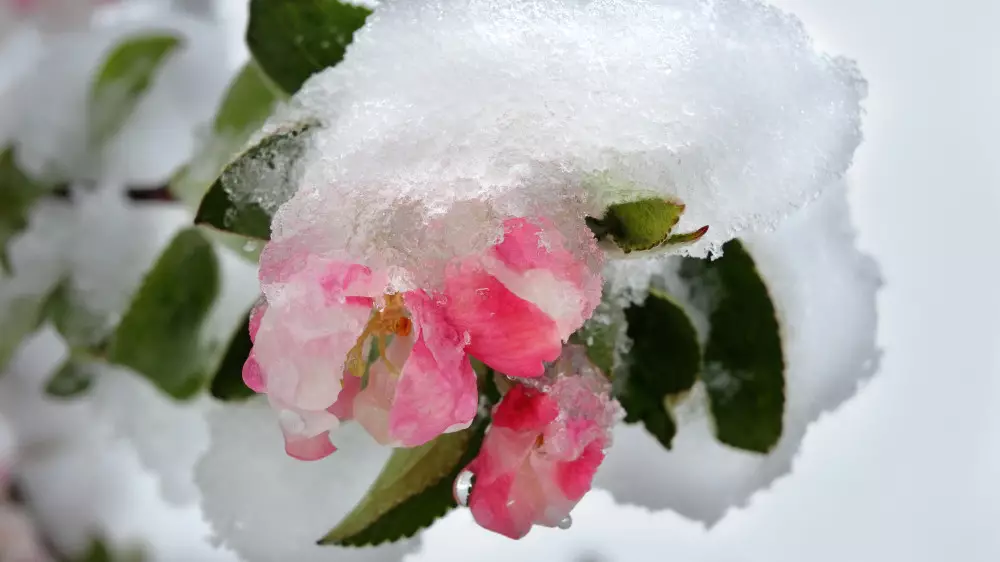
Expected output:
(334, 340)
(546, 441)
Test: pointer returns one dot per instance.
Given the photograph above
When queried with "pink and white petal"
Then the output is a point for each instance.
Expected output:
(301, 347)
(343, 408)
(310, 448)
(498, 467)
(372, 405)
(534, 263)
(253, 376)
(306, 433)
(575, 477)
(437, 389)
(506, 332)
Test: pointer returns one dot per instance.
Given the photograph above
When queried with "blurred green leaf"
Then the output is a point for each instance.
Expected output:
(664, 362)
(413, 489)
(18, 193)
(124, 77)
(74, 377)
(292, 40)
(270, 167)
(160, 334)
(744, 369)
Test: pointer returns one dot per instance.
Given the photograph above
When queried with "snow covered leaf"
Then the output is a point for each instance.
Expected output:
(247, 104)
(294, 40)
(227, 383)
(413, 490)
(744, 369)
(17, 193)
(124, 77)
(664, 361)
(230, 204)
(73, 378)
(159, 335)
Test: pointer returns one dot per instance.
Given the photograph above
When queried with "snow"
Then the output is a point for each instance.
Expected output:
(266, 505)
(527, 106)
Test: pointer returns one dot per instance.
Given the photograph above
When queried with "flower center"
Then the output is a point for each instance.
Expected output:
(388, 320)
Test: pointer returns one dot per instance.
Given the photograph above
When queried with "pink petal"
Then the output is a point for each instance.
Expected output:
(506, 332)
(372, 405)
(525, 409)
(310, 449)
(253, 377)
(343, 408)
(576, 476)
(437, 391)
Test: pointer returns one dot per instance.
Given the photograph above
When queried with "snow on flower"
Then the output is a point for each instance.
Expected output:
(422, 148)
(546, 442)
(335, 341)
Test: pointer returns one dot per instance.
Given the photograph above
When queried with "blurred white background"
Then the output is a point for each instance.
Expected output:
(908, 469)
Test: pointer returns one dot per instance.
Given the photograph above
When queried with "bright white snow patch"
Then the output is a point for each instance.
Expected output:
(823, 290)
(448, 116)
(268, 506)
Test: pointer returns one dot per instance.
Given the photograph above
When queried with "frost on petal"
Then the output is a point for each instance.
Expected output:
(540, 455)
(316, 310)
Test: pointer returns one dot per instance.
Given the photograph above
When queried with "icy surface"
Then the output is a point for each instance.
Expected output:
(427, 144)
(824, 291)
(267, 506)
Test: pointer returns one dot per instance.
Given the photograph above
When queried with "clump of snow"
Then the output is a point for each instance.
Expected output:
(446, 117)
(823, 290)
(267, 506)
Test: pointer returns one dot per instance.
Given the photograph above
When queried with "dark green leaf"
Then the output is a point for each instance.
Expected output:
(73, 378)
(743, 365)
(160, 334)
(227, 384)
(125, 76)
(413, 489)
(18, 193)
(294, 39)
(271, 165)
(98, 551)
(664, 362)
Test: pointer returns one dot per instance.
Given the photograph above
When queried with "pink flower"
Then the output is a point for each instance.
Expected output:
(540, 454)
(524, 297)
(313, 338)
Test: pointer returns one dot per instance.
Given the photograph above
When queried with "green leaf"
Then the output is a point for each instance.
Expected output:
(98, 551)
(123, 79)
(294, 39)
(642, 225)
(232, 204)
(227, 384)
(73, 378)
(664, 362)
(413, 489)
(743, 362)
(160, 334)
(18, 193)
